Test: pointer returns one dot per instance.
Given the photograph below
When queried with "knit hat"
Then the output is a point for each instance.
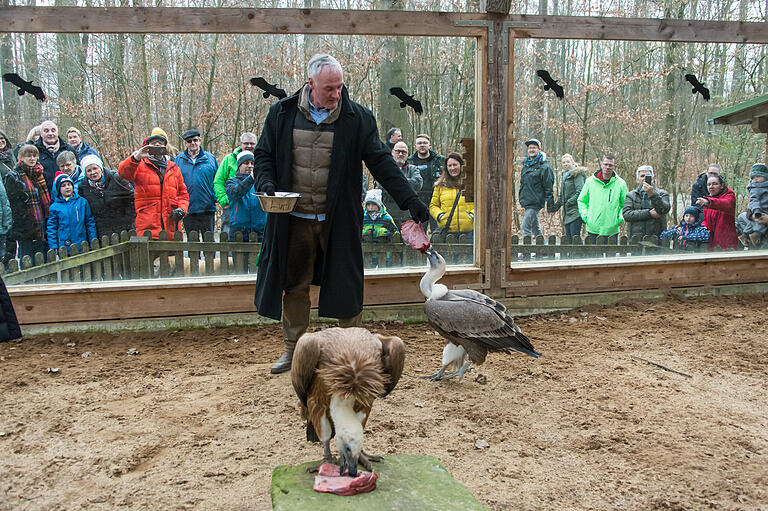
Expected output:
(157, 134)
(60, 180)
(758, 169)
(692, 210)
(90, 159)
(374, 196)
(244, 156)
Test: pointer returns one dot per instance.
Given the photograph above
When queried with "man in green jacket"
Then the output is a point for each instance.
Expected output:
(228, 169)
(602, 198)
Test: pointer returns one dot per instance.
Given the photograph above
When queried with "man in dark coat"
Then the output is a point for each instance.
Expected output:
(536, 180)
(313, 143)
(646, 207)
(51, 145)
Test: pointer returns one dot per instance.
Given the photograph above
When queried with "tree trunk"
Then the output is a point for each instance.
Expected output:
(392, 74)
(10, 97)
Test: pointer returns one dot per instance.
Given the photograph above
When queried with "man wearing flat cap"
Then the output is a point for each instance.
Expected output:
(536, 180)
(160, 196)
(198, 168)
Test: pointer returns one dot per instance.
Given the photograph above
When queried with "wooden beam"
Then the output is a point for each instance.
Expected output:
(642, 272)
(101, 301)
(192, 20)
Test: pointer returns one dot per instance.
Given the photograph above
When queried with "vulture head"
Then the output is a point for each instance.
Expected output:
(436, 271)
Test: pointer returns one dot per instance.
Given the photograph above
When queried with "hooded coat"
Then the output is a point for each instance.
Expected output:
(7, 157)
(156, 194)
(382, 226)
(70, 220)
(720, 220)
(690, 236)
(112, 206)
(600, 204)
(339, 271)
(569, 194)
(536, 180)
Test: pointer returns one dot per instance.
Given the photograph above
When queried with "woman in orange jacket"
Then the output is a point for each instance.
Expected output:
(160, 195)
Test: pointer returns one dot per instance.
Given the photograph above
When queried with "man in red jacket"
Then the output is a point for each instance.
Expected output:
(160, 195)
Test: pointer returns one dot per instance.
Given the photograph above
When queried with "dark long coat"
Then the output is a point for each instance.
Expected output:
(339, 271)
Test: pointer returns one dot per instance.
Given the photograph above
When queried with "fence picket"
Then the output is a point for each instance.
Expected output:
(209, 255)
(223, 255)
(178, 256)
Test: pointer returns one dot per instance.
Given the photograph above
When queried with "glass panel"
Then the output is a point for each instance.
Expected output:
(115, 88)
(632, 99)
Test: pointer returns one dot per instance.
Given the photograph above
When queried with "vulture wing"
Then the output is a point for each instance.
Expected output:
(306, 359)
(477, 323)
(392, 359)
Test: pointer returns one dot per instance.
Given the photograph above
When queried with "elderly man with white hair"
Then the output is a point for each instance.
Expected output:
(51, 145)
(314, 143)
(646, 207)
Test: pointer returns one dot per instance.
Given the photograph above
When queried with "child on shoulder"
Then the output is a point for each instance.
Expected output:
(752, 225)
(689, 234)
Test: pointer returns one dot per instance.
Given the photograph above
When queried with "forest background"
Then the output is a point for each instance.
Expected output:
(626, 97)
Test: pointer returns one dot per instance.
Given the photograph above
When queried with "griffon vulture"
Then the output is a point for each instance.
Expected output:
(337, 374)
(472, 323)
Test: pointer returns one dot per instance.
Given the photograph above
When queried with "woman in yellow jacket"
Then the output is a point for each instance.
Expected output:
(444, 196)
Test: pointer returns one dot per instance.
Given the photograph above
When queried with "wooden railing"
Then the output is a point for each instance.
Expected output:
(129, 256)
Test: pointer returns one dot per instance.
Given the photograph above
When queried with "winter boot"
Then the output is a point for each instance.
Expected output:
(283, 363)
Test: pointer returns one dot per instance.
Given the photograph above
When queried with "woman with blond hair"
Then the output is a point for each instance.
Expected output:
(571, 184)
(449, 207)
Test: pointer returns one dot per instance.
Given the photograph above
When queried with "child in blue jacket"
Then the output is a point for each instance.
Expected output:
(245, 213)
(689, 234)
(70, 220)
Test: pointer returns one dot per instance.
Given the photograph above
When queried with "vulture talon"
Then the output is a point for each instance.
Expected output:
(366, 459)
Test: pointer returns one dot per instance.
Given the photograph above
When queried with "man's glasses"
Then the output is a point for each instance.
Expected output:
(400, 151)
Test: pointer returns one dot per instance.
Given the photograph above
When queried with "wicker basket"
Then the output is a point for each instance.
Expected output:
(281, 202)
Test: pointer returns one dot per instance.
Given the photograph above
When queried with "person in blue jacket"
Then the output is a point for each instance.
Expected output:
(245, 213)
(198, 168)
(70, 220)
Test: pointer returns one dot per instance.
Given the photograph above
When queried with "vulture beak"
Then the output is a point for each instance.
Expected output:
(433, 257)
(347, 462)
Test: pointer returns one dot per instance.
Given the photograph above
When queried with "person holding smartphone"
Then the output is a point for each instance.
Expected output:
(160, 196)
(646, 207)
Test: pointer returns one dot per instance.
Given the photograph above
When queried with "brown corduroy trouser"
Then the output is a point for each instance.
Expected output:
(305, 243)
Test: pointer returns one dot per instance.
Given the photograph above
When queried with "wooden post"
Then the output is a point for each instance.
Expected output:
(141, 264)
(496, 228)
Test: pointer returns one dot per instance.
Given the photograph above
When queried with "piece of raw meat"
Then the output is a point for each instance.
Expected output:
(413, 234)
(328, 480)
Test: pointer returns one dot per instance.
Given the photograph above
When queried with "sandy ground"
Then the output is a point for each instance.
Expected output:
(195, 420)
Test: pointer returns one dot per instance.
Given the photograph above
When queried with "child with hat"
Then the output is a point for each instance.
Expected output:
(750, 224)
(70, 220)
(245, 213)
(689, 234)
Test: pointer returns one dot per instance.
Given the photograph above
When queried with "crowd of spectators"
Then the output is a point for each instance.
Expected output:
(55, 192)
(601, 202)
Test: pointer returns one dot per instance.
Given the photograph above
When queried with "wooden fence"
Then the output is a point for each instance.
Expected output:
(128, 256)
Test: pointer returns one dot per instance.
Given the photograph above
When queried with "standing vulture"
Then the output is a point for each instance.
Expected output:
(337, 374)
(473, 323)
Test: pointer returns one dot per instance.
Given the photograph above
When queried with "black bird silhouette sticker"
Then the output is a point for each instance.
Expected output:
(550, 83)
(269, 90)
(24, 86)
(406, 100)
(697, 87)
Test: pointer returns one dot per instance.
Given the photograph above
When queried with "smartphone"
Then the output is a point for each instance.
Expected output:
(648, 179)
(155, 150)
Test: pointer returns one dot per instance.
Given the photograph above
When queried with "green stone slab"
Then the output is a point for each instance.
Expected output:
(405, 482)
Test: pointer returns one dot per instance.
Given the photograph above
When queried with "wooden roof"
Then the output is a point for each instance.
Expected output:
(754, 112)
